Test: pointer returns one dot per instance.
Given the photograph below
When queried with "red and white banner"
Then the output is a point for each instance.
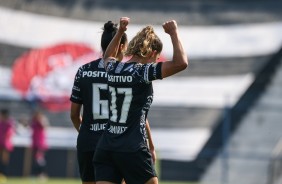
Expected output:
(46, 74)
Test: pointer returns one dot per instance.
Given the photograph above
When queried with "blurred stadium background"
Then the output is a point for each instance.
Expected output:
(218, 122)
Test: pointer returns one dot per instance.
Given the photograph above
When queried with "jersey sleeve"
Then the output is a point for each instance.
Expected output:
(76, 90)
(152, 71)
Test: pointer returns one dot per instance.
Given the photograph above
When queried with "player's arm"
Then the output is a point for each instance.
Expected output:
(76, 99)
(150, 141)
(179, 60)
(112, 49)
(75, 115)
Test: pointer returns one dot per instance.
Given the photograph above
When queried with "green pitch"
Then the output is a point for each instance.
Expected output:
(61, 181)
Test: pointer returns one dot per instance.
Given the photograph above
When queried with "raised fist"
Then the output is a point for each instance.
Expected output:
(123, 23)
(170, 27)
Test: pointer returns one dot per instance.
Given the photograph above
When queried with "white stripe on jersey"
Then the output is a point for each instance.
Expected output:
(119, 67)
(146, 72)
(101, 64)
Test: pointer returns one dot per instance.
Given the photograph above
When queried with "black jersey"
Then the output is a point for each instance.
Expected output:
(130, 95)
(90, 90)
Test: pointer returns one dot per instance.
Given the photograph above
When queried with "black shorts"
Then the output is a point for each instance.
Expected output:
(85, 163)
(135, 167)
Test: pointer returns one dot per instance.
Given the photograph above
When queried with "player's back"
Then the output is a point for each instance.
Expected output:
(131, 94)
(90, 90)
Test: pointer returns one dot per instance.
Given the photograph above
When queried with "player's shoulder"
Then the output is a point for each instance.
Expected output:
(95, 64)
(142, 66)
(111, 64)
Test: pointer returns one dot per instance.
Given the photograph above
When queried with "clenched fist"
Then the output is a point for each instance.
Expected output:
(170, 27)
(123, 23)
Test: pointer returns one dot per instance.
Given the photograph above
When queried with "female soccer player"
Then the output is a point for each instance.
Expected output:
(121, 151)
(7, 130)
(39, 124)
(90, 92)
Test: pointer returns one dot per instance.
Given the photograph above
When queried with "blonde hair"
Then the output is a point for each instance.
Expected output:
(144, 43)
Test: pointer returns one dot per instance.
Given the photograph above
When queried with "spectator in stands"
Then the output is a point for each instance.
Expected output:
(122, 150)
(7, 130)
(39, 123)
(90, 91)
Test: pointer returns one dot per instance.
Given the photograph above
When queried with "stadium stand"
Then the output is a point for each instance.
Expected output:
(246, 157)
(188, 12)
(9, 53)
(250, 129)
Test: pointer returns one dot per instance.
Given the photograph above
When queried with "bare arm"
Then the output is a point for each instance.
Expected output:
(75, 115)
(179, 60)
(150, 140)
(113, 47)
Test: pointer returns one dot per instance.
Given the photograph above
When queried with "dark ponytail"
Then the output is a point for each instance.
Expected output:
(109, 32)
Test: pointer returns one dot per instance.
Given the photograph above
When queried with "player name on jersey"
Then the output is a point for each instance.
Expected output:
(117, 129)
(97, 126)
(94, 74)
(114, 78)
(111, 78)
